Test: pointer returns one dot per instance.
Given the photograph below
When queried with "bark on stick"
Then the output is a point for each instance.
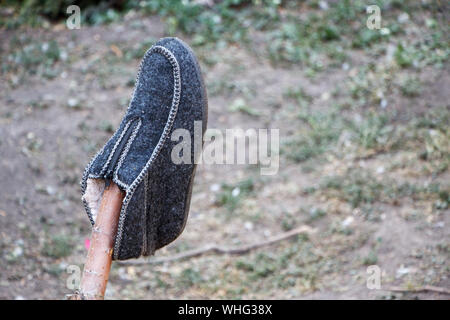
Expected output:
(99, 258)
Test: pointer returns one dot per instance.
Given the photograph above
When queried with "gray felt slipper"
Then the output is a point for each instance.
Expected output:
(169, 94)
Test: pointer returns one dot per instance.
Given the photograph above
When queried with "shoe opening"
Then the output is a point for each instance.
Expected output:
(93, 195)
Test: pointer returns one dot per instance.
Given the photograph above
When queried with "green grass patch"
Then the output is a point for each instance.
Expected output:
(282, 268)
(319, 131)
(58, 246)
(411, 87)
(372, 131)
(360, 188)
(189, 277)
(32, 57)
(230, 196)
(240, 105)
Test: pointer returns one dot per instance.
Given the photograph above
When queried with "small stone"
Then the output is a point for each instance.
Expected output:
(17, 252)
(48, 96)
(348, 221)
(402, 18)
(385, 31)
(440, 224)
(323, 5)
(248, 225)
(214, 187)
(402, 271)
(380, 170)
(50, 190)
(236, 191)
(325, 96)
(63, 55)
(431, 23)
(131, 271)
(72, 102)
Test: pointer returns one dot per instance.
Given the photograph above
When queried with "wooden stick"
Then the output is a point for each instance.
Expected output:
(222, 250)
(420, 289)
(99, 258)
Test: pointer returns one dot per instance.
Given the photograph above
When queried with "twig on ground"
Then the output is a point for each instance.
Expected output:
(420, 289)
(222, 250)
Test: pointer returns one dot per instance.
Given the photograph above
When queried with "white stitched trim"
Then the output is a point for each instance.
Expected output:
(87, 175)
(144, 240)
(115, 147)
(124, 154)
(168, 127)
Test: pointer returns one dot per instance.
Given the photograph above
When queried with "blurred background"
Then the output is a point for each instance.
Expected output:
(363, 115)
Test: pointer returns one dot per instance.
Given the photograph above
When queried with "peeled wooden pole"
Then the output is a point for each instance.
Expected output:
(99, 258)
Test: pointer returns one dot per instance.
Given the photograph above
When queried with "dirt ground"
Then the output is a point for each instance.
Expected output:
(383, 203)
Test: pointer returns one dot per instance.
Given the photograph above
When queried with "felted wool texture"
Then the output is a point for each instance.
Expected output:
(156, 212)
